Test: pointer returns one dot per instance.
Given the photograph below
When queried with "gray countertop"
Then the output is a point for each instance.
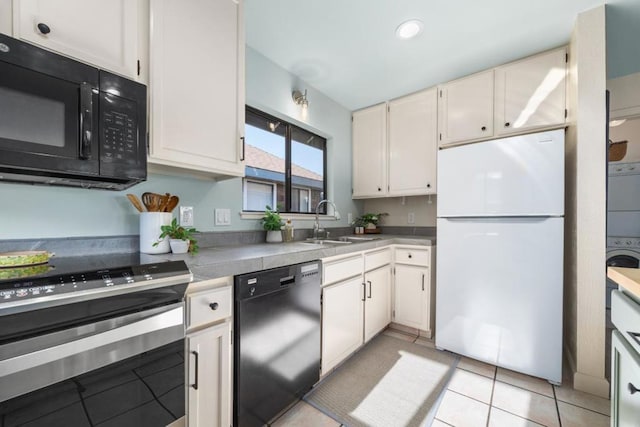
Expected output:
(220, 261)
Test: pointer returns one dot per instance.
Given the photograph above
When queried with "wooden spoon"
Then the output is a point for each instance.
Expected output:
(135, 202)
(152, 201)
(171, 205)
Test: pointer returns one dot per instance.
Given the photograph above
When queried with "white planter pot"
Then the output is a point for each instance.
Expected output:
(274, 236)
(150, 223)
(179, 246)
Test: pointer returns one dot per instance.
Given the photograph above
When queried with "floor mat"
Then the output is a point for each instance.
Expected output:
(390, 382)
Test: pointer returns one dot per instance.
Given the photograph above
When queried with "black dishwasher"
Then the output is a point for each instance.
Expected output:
(276, 339)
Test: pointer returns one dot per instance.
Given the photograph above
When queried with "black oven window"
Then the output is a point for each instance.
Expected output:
(143, 391)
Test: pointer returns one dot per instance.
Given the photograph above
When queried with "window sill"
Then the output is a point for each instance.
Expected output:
(293, 216)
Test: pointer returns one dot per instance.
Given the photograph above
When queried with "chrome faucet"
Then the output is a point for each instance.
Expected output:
(317, 230)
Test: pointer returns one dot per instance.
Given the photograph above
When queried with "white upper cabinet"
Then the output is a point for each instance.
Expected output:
(197, 86)
(102, 33)
(530, 94)
(465, 109)
(413, 144)
(369, 129)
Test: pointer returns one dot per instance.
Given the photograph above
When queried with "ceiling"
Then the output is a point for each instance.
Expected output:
(347, 49)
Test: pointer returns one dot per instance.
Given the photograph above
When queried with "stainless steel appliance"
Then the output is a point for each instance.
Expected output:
(96, 340)
(63, 122)
(276, 339)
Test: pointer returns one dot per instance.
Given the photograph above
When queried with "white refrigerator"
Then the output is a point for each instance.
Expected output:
(499, 267)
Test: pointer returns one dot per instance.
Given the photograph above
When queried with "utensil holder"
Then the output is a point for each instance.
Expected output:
(150, 223)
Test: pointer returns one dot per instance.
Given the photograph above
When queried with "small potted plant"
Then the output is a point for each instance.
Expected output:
(369, 221)
(180, 239)
(272, 222)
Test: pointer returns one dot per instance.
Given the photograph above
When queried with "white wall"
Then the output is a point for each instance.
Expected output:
(37, 212)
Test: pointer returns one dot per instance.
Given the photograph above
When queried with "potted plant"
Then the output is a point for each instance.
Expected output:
(180, 239)
(369, 220)
(272, 222)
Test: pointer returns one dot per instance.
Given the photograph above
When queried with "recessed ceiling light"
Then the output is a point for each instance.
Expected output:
(409, 29)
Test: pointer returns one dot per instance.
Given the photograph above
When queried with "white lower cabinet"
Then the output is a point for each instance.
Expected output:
(342, 317)
(356, 305)
(209, 353)
(414, 290)
(411, 294)
(209, 376)
(377, 305)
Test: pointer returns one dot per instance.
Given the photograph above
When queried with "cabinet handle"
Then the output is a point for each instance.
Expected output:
(195, 385)
(369, 282)
(43, 28)
(428, 185)
(410, 256)
(379, 189)
(86, 120)
(423, 281)
(214, 305)
(364, 291)
(242, 157)
(483, 128)
(632, 388)
(507, 124)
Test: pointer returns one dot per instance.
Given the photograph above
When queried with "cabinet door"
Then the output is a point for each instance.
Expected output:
(531, 93)
(197, 85)
(342, 317)
(101, 33)
(625, 380)
(370, 151)
(465, 109)
(377, 306)
(209, 377)
(413, 144)
(412, 290)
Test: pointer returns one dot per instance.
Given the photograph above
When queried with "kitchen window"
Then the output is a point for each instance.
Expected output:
(285, 165)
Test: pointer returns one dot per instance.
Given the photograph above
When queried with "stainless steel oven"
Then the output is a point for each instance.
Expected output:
(98, 346)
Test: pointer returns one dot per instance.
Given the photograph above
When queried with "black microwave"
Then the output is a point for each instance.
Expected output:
(63, 122)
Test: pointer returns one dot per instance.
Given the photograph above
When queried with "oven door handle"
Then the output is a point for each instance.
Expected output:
(86, 120)
(166, 320)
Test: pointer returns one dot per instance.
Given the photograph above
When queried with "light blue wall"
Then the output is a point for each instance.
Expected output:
(37, 212)
(623, 37)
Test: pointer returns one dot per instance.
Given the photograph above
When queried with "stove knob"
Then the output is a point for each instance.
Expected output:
(628, 242)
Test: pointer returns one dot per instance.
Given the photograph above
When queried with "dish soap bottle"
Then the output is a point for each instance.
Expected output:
(288, 231)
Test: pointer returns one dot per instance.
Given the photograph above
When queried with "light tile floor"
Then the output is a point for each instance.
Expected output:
(482, 395)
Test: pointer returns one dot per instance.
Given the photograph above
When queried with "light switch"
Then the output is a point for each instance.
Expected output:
(411, 218)
(186, 216)
(222, 216)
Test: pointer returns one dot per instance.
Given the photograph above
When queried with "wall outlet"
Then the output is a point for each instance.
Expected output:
(186, 216)
(223, 217)
(411, 218)
(349, 218)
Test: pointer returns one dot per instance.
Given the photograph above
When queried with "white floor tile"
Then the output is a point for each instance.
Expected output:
(461, 411)
(471, 385)
(500, 418)
(584, 400)
(525, 403)
(477, 367)
(573, 416)
(525, 381)
(438, 423)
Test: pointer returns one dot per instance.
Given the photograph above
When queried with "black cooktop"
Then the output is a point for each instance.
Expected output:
(66, 275)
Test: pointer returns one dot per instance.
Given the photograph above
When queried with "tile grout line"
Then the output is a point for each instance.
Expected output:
(433, 411)
(555, 398)
(493, 387)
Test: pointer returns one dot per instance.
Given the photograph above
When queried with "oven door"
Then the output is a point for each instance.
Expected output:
(127, 371)
(48, 111)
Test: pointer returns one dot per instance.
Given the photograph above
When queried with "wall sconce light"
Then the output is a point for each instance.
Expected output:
(300, 99)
